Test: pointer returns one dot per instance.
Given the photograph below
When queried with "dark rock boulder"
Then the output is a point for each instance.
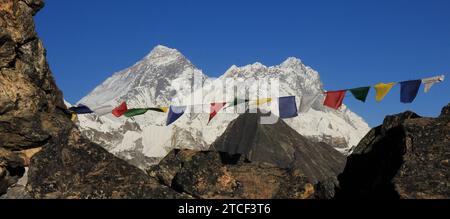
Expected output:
(406, 157)
(73, 167)
(207, 175)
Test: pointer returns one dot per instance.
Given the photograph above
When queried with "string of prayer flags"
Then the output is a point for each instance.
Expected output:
(360, 93)
(135, 112)
(120, 110)
(175, 112)
(334, 99)
(81, 109)
(429, 82)
(306, 102)
(287, 107)
(382, 90)
(214, 109)
(408, 90)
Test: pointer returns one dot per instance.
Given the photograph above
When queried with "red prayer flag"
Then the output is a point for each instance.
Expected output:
(215, 107)
(334, 99)
(120, 110)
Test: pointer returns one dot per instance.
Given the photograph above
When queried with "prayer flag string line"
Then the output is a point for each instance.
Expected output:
(287, 105)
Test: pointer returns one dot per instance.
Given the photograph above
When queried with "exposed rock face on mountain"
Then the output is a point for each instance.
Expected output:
(254, 161)
(165, 77)
(279, 145)
(406, 157)
(36, 131)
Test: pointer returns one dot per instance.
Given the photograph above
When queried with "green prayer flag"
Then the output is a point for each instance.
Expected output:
(135, 112)
(360, 93)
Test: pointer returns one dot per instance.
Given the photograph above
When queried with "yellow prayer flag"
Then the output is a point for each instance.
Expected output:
(382, 89)
(164, 109)
(74, 117)
(263, 101)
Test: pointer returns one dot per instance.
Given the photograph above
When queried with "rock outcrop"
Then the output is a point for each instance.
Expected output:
(36, 131)
(254, 161)
(406, 157)
(209, 175)
(76, 168)
(31, 107)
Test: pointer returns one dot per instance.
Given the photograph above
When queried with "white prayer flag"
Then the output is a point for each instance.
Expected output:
(429, 82)
(103, 110)
(306, 102)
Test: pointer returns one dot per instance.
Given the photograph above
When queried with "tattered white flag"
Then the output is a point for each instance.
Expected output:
(429, 82)
(306, 102)
(103, 110)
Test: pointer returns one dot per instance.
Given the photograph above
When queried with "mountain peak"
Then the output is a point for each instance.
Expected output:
(161, 51)
(162, 48)
(291, 61)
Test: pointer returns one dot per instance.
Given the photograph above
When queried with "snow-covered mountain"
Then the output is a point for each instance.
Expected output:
(166, 77)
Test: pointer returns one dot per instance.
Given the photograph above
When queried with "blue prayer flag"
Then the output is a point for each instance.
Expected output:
(80, 109)
(175, 112)
(287, 107)
(409, 90)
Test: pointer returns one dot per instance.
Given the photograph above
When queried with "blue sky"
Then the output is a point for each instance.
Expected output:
(350, 42)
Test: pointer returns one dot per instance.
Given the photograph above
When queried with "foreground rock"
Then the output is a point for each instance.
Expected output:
(11, 169)
(406, 157)
(206, 175)
(77, 168)
(31, 108)
(18, 189)
(254, 161)
(36, 130)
